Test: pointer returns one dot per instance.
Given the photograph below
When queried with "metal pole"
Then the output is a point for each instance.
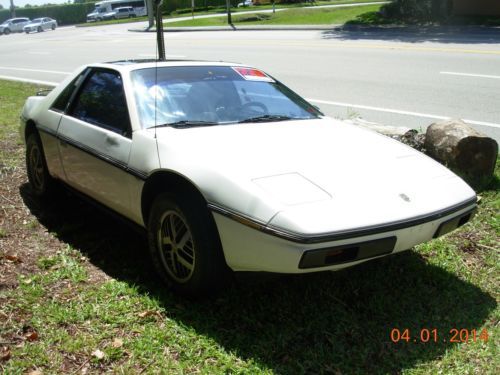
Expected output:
(228, 5)
(159, 32)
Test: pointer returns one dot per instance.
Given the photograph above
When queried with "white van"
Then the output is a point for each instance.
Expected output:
(102, 8)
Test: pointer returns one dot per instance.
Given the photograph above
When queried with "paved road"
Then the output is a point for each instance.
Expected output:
(389, 76)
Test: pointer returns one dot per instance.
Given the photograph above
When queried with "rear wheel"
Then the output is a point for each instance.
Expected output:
(6, 31)
(53, 27)
(185, 246)
(40, 180)
(39, 29)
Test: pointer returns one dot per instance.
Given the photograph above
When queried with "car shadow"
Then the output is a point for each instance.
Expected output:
(328, 322)
(416, 34)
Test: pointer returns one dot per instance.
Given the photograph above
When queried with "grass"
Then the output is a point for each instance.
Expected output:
(78, 295)
(321, 16)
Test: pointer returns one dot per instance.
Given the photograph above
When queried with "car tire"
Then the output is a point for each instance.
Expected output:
(53, 27)
(6, 31)
(42, 184)
(39, 29)
(27, 32)
(185, 246)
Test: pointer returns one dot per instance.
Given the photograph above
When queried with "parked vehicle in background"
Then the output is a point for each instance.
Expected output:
(118, 13)
(13, 25)
(103, 8)
(246, 3)
(40, 24)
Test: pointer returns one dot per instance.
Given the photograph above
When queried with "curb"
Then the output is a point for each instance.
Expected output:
(240, 28)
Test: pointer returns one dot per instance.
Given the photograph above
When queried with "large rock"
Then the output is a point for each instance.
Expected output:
(463, 149)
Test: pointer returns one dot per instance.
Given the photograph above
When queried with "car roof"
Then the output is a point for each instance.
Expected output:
(134, 64)
(17, 18)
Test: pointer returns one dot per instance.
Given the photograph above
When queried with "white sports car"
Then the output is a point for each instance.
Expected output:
(228, 169)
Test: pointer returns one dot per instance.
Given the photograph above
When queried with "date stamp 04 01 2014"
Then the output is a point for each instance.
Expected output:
(425, 335)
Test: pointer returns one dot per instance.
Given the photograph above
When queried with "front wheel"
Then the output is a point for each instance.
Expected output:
(39, 29)
(53, 27)
(38, 174)
(6, 31)
(185, 245)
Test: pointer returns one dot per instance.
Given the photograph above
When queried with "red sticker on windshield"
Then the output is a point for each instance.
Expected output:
(251, 74)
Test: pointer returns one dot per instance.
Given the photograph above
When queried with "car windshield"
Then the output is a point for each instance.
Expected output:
(210, 95)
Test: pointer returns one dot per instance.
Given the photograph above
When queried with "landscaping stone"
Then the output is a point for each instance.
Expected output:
(469, 153)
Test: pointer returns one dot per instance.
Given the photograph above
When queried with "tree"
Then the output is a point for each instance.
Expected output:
(12, 9)
(1, 6)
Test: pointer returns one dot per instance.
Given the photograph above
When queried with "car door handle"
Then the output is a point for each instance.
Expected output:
(113, 141)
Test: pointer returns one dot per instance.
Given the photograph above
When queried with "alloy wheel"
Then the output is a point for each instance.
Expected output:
(176, 246)
(36, 167)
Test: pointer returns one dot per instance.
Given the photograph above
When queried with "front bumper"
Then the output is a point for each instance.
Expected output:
(248, 247)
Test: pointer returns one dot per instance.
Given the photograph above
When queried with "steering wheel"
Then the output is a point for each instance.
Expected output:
(262, 109)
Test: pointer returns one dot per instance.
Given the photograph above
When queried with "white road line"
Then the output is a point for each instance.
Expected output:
(33, 70)
(470, 75)
(401, 112)
(46, 83)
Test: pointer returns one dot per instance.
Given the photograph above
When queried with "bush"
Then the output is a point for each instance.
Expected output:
(67, 14)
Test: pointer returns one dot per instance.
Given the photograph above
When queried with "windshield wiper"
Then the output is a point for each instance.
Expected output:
(187, 124)
(266, 118)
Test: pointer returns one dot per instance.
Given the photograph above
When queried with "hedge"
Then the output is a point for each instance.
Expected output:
(64, 14)
(419, 10)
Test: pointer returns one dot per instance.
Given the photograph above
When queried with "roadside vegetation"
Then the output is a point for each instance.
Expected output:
(320, 16)
(78, 295)
(421, 12)
(201, 11)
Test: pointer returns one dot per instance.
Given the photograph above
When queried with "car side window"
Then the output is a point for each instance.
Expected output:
(101, 102)
(62, 101)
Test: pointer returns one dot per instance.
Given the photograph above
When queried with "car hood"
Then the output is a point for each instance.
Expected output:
(310, 176)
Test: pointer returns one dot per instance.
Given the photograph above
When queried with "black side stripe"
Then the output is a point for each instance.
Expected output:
(89, 150)
(341, 235)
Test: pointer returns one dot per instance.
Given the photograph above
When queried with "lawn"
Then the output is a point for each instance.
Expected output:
(321, 16)
(77, 295)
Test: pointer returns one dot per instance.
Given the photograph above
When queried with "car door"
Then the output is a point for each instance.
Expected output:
(17, 25)
(95, 140)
